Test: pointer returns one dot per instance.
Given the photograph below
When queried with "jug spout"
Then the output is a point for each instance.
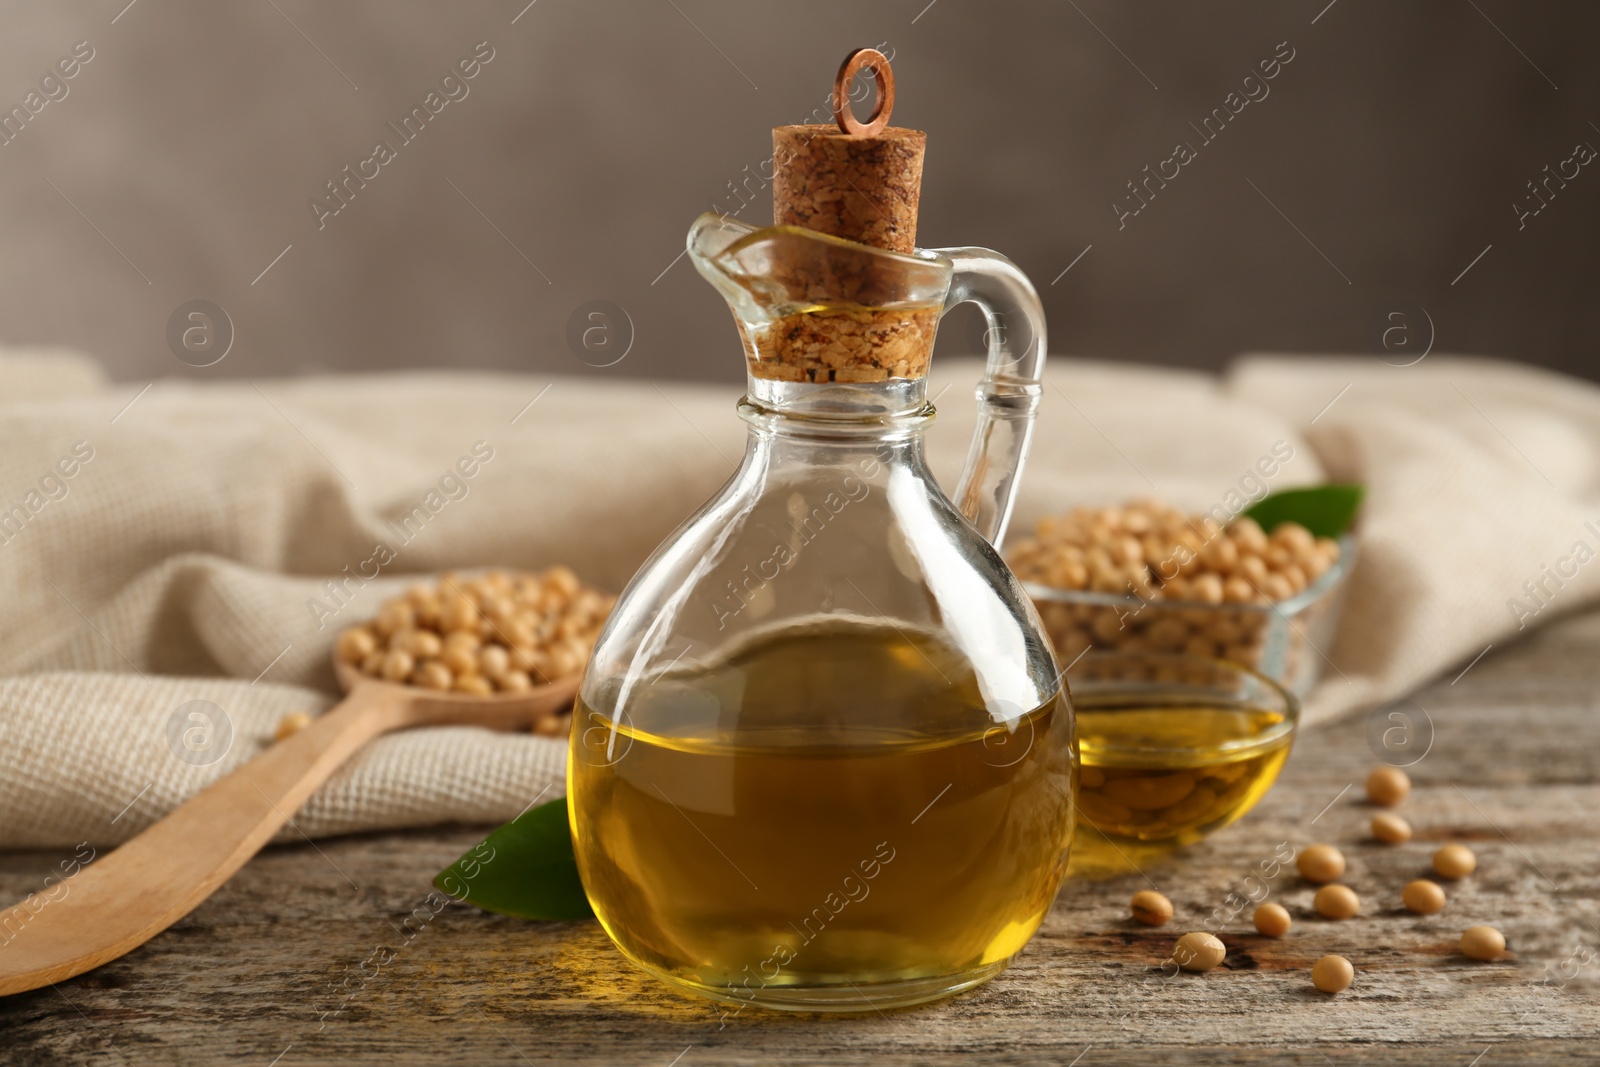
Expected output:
(818, 310)
(815, 308)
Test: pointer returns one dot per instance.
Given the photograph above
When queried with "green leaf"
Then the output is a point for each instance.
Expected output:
(525, 869)
(1325, 510)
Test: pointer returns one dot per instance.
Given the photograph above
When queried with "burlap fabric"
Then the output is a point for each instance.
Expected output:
(174, 545)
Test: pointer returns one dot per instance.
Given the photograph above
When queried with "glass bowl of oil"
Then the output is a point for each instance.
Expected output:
(1174, 747)
(1285, 641)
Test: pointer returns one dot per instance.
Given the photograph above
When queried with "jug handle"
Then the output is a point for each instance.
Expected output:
(1008, 395)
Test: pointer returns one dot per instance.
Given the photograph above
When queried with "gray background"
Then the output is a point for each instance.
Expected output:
(1395, 143)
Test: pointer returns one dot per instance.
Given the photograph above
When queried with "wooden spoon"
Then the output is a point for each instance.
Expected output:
(116, 904)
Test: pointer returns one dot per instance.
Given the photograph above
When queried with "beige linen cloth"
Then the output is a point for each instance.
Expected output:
(182, 558)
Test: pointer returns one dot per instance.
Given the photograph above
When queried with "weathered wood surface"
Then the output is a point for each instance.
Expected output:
(273, 965)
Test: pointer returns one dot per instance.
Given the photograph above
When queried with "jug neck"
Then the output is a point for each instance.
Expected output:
(892, 409)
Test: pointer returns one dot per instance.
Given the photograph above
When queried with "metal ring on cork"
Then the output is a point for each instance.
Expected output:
(853, 63)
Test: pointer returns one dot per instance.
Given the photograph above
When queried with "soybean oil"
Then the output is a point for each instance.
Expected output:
(1159, 773)
(827, 806)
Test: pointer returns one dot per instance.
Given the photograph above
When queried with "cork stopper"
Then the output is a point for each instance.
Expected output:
(863, 189)
(860, 181)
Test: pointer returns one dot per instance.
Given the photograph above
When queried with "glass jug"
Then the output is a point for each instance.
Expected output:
(822, 758)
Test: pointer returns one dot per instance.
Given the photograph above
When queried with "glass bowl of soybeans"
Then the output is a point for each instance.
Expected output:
(1174, 747)
(1287, 639)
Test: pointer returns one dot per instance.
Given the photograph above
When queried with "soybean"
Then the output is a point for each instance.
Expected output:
(553, 725)
(1150, 908)
(1272, 920)
(1388, 786)
(1423, 897)
(1198, 951)
(1483, 943)
(1454, 861)
(1332, 974)
(1336, 902)
(1390, 828)
(291, 724)
(1320, 863)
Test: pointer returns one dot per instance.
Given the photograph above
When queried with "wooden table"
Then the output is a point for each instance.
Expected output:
(306, 956)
